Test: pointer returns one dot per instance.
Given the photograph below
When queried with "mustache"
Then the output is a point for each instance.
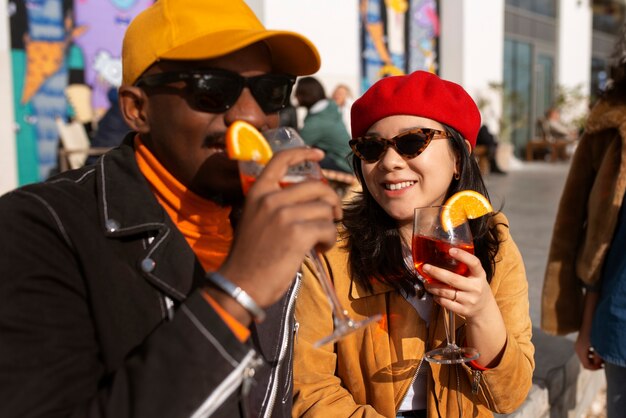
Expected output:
(215, 140)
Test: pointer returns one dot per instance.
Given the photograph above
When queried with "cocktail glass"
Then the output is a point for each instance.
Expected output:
(433, 237)
(281, 139)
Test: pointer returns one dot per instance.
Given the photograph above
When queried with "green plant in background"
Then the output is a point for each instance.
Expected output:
(514, 114)
(572, 103)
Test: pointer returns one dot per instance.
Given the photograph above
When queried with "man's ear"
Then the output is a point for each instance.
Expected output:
(135, 107)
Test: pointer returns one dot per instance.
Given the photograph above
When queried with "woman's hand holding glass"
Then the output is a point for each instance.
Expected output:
(467, 296)
(470, 297)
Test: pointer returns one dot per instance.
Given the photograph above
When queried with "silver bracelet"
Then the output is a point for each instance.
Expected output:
(237, 293)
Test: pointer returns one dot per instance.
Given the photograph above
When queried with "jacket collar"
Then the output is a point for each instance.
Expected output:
(357, 291)
(319, 106)
(129, 209)
(120, 186)
(338, 256)
(607, 115)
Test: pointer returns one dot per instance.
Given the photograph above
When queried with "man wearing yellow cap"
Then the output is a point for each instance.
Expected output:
(124, 291)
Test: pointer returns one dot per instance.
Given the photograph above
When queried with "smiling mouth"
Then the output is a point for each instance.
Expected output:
(217, 148)
(398, 186)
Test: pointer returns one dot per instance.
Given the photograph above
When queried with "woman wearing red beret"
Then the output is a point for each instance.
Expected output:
(380, 371)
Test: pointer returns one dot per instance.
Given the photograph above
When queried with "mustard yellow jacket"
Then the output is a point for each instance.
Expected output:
(368, 373)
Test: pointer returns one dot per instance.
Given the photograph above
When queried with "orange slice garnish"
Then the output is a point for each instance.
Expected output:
(466, 204)
(244, 142)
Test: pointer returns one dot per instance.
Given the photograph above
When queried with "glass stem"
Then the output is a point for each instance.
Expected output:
(340, 316)
(450, 327)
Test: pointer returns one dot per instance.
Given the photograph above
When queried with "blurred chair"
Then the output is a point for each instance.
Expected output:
(545, 144)
(75, 145)
(79, 97)
(481, 154)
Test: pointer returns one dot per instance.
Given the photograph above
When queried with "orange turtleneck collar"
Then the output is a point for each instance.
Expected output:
(204, 224)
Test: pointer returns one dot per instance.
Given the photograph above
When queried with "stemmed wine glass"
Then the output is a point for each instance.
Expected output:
(433, 237)
(280, 139)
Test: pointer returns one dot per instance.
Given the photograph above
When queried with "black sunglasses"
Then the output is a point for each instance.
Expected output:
(408, 144)
(215, 90)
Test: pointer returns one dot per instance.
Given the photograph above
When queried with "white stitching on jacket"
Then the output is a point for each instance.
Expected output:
(196, 322)
(54, 215)
(225, 389)
(78, 180)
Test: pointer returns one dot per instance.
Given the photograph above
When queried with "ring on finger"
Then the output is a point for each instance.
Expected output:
(455, 294)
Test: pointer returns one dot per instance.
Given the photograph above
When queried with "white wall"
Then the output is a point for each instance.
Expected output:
(451, 41)
(8, 155)
(332, 25)
(472, 49)
(257, 7)
(574, 49)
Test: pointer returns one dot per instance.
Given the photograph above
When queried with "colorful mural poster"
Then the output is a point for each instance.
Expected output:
(58, 43)
(55, 43)
(397, 37)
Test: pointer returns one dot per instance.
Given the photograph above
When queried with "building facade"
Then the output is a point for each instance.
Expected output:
(515, 57)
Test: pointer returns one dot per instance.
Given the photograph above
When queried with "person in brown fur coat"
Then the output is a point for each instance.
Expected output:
(585, 283)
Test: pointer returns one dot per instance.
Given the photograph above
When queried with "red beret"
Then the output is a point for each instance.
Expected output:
(420, 94)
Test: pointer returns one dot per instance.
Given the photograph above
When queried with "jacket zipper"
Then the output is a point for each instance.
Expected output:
(283, 347)
(169, 307)
(419, 366)
(248, 381)
(226, 388)
(296, 329)
(476, 381)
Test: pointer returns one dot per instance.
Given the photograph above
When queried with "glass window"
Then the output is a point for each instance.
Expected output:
(517, 93)
(607, 16)
(544, 84)
(599, 77)
(542, 7)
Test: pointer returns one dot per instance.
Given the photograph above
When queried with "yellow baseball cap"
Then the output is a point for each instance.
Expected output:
(204, 29)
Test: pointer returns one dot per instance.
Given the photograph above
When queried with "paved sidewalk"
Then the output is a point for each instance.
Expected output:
(529, 196)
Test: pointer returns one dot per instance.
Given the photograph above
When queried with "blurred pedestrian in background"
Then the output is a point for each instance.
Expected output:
(585, 282)
(486, 138)
(111, 127)
(557, 130)
(323, 127)
(343, 99)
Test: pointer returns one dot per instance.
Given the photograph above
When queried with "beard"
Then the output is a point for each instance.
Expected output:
(218, 177)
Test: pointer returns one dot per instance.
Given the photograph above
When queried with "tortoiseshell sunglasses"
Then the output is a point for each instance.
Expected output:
(408, 144)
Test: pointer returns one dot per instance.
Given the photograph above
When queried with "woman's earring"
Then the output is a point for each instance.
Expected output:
(457, 176)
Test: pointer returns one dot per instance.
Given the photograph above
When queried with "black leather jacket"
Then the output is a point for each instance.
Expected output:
(100, 313)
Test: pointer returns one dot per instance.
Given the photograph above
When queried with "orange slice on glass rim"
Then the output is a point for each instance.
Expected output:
(244, 142)
(466, 204)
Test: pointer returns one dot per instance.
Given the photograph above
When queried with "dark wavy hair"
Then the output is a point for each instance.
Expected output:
(373, 241)
(309, 91)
